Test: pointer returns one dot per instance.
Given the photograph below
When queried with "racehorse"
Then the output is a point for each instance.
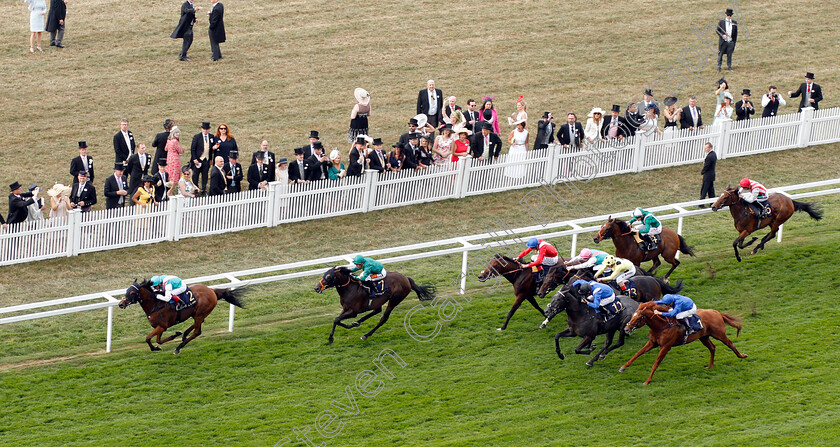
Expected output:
(626, 247)
(162, 316)
(746, 222)
(667, 332)
(355, 298)
(647, 288)
(521, 278)
(585, 322)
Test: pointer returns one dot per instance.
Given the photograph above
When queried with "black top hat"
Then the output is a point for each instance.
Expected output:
(167, 123)
(205, 125)
(82, 145)
(162, 161)
(615, 108)
(317, 145)
(486, 125)
(746, 92)
(729, 12)
(282, 160)
(15, 186)
(648, 92)
(235, 154)
(671, 100)
(809, 75)
(118, 166)
(361, 140)
(412, 122)
(545, 115)
(298, 151)
(260, 155)
(313, 134)
(377, 141)
(147, 178)
(487, 114)
(413, 136)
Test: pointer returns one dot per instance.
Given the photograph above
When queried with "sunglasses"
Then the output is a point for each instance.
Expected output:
(223, 128)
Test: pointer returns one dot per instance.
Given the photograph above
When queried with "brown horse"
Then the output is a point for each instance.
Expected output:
(746, 222)
(667, 332)
(521, 278)
(162, 316)
(626, 247)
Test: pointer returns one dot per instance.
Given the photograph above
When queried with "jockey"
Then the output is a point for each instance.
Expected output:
(622, 270)
(648, 225)
(372, 274)
(171, 286)
(752, 192)
(586, 259)
(596, 295)
(546, 257)
(682, 307)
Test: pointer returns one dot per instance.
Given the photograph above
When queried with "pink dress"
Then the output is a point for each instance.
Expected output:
(173, 160)
(495, 121)
(444, 144)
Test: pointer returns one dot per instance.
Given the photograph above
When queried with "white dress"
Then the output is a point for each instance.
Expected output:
(517, 152)
(37, 15)
(722, 115)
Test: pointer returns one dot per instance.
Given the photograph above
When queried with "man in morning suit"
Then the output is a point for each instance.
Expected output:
(202, 152)
(17, 204)
(430, 103)
(268, 158)
(233, 172)
(615, 126)
(297, 172)
(811, 93)
(571, 133)
(83, 193)
(317, 166)
(217, 28)
(744, 108)
(708, 173)
(258, 173)
(727, 31)
(55, 22)
(485, 140)
(160, 180)
(358, 157)
(138, 166)
(116, 188)
(545, 131)
(159, 143)
(378, 159)
(123, 143)
(690, 117)
(472, 116)
(412, 128)
(184, 30)
(307, 149)
(218, 182)
(83, 162)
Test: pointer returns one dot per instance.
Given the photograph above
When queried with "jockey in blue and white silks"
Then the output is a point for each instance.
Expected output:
(681, 306)
(171, 286)
(596, 294)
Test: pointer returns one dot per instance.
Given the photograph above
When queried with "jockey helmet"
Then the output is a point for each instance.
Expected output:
(359, 259)
(745, 183)
(156, 280)
(584, 288)
(586, 253)
(533, 243)
(609, 261)
(638, 212)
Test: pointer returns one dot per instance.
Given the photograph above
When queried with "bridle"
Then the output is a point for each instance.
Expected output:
(132, 300)
(325, 286)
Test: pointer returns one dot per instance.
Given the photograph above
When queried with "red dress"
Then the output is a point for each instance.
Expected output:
(461, 149)
(173, 160)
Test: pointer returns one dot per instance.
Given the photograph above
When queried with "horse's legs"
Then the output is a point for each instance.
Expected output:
(647, 347)
(155, 332)
(663, 351)
(656, 264)
(738, 240)
(725, 340)
(347, 313)
(536, 305)
(606, 347)
(515, 306)
(362, 320)
(381, 321)
(674, 263)
(619, 344)
(565, 333)
(586, 343)
(195, 333)
(708, 343)
(767, 237)
(160, 342)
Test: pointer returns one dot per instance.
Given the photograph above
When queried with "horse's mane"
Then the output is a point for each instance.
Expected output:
(144, 283)
(504, 257)
(343, 269)
(624, 226)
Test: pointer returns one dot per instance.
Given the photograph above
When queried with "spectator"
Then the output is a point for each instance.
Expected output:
(145, 194)
(642, 106)
(318, 164)
(430, 103)
(59, 200)
(518, 140)
(359, 115)
(396, 158)
(521, 113)
(486, 140)
(708, 173)
(217, 28)
(138, 166)
(592, 132)
(723, 112)
(570, 134)
(722, 91)
(633, 117)
(202, 153)
(771, 101)
(225, 141)
(184, 29)
(233, 172)
(116, 188)
(297, 172)
(281, 172)
(218, 185)
(336, 170)
(358, 156)
(811, 93)
(690, 117)
(651, 124)
(744, 108)
(451, 111)
(671, 114)
(268, 157)
(615, 127)
(442, 149)
(378, 159)
(82, 163)
(471, 116)
(185, 185)
(423, 154)
(462, 144)
(161, 181)
(412, 128)
(173, 155)
(18, 207)
(159, 143)
(55, 22)
(35, 210)
(309, 148)
(258, 174)
(727, 31)
(545, 131)
(37, 11)
(488, 113)
(83, 194)
(123, 143)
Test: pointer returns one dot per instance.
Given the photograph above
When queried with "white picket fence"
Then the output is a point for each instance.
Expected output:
(281, 203)
(486, 242)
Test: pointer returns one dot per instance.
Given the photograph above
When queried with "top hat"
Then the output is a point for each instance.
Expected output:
(487, 114)
(317, 145)
(377, 141)
(205, 125)
(729, 12)
(235, 154)
(15, 186)
(648, 92)
(412, 122)
(298, 151)
(313, 134)
(360, 140)
(615, 108)
(260, 155)
(746, 92)
(809, 75)
(118, 167)
(416, 135)
(82, 145)
(545, 115)
(162, 161)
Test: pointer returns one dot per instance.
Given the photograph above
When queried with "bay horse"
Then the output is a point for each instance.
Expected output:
(355, 298)
(586, 323)
(162, 316)
(667, 332)
(648, 288)
(626, 247)
(746, 223)
(522, 279)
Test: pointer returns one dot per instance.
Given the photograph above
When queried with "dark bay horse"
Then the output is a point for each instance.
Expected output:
(162, 316)
(667, 332)
(521, 278)
(586, 323)
(626, 247)
(746, 222)
(647, 288)
(355, 298)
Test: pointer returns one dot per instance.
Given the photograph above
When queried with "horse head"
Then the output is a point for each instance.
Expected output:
(728, 198)
(498, 265)
(640, 317)
(557, 275)
(334, 277)
(132, 293)
(557, 305)
(606, 230)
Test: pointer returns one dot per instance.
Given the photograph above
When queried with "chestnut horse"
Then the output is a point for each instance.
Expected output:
(746, 222)
(521, 278)
(667, 332)
(626, 247)
(162, 316)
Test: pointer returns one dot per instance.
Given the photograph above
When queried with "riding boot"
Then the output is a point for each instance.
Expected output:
(643, 246)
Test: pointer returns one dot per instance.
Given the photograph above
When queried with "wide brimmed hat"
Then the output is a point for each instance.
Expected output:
(809, 75)
(421, 119)
(727, 95)
(671, 100)
(282, 160)
(362, 96)
(461, 129)
(147, 178)
(514, 123)
(57, 189)
(617, 108)
(334, 154)
(594, 111)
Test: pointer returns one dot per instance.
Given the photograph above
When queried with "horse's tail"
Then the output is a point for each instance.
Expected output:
(733, 321)
(667, 288)
(232, 296)
(684, 246)
(425, 292)
(811, 208)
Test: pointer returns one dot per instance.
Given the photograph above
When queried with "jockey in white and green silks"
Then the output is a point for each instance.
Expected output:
(648, 225)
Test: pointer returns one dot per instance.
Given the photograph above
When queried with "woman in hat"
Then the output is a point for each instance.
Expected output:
(37, 12)
(462, 144)
(521, 114)
(227, 143)
(518, 140)
(424, 154)
(396, 158)
(722, 91)
(650, 125)
(723, 111)
(359, 115)
(592, 132)
(488, 113)
(145, 194)
(281, 172)
(185, 185)
(59, 200)
(173, 155)
(336, 171)
(442, 148)
(671, 114)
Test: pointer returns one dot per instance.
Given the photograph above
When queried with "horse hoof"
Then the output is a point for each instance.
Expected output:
(177, 351)
(330, 341)
(601, 357)
(647, 382)
(542, 326)
(621, 370)
(355, 324)
(155, 348)
(177, 334)
(499, 329)
(364, 337)
(589, 363)
(560, 354)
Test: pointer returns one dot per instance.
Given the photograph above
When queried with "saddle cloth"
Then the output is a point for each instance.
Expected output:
(612, 309)
(187, 300)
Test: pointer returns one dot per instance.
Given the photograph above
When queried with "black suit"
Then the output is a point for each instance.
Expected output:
(423, 106)
(708, 188)
(196, 151)
(816, 95)
(772, 107)
(270, 160)
(686, 120)
(633, 120)
(58, 12)
(184, 30)
(573, 138)
(77, 166)
(475, 115)
(545, 129)
(112, 199)
(295, 171)
(725, 47)
(17, 207)
(235, 172)
(741, 113)
(218, 182)
(376, 163)
(622, 130)
(121, 150)
(307, 151)
(87, 194)
(161, 191)
(136, 170)
(477, 145)
(314, 168)
(257, 175)
(217, 29)
(159, 143)
(354, 168)
(410, 153)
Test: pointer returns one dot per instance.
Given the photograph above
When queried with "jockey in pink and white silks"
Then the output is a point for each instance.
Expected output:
(587, 258)
(752, 192)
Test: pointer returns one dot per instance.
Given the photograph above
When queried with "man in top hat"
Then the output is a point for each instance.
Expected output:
(123, 143)
(318, 164)
(258, 173)
(160, 181)
(184, 30)
(707, 188)
(727, 31)
(308, 149)
(358, 157)
(138, 166)
(571, 133)
(202, 152)
(430, 103)
(410, 150)
(297, 171)
(378, 159)
(82, 163)
(744, 108)
(217, 28)
(412, 128)
(116, 188)
(771, 101)
(545, 131)
(615, 126)
(233, 172)
(268, 157)
(159, 143)
(811, 93)
(643, 105)
(486, 141)
(83, 194)
(17, 205)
